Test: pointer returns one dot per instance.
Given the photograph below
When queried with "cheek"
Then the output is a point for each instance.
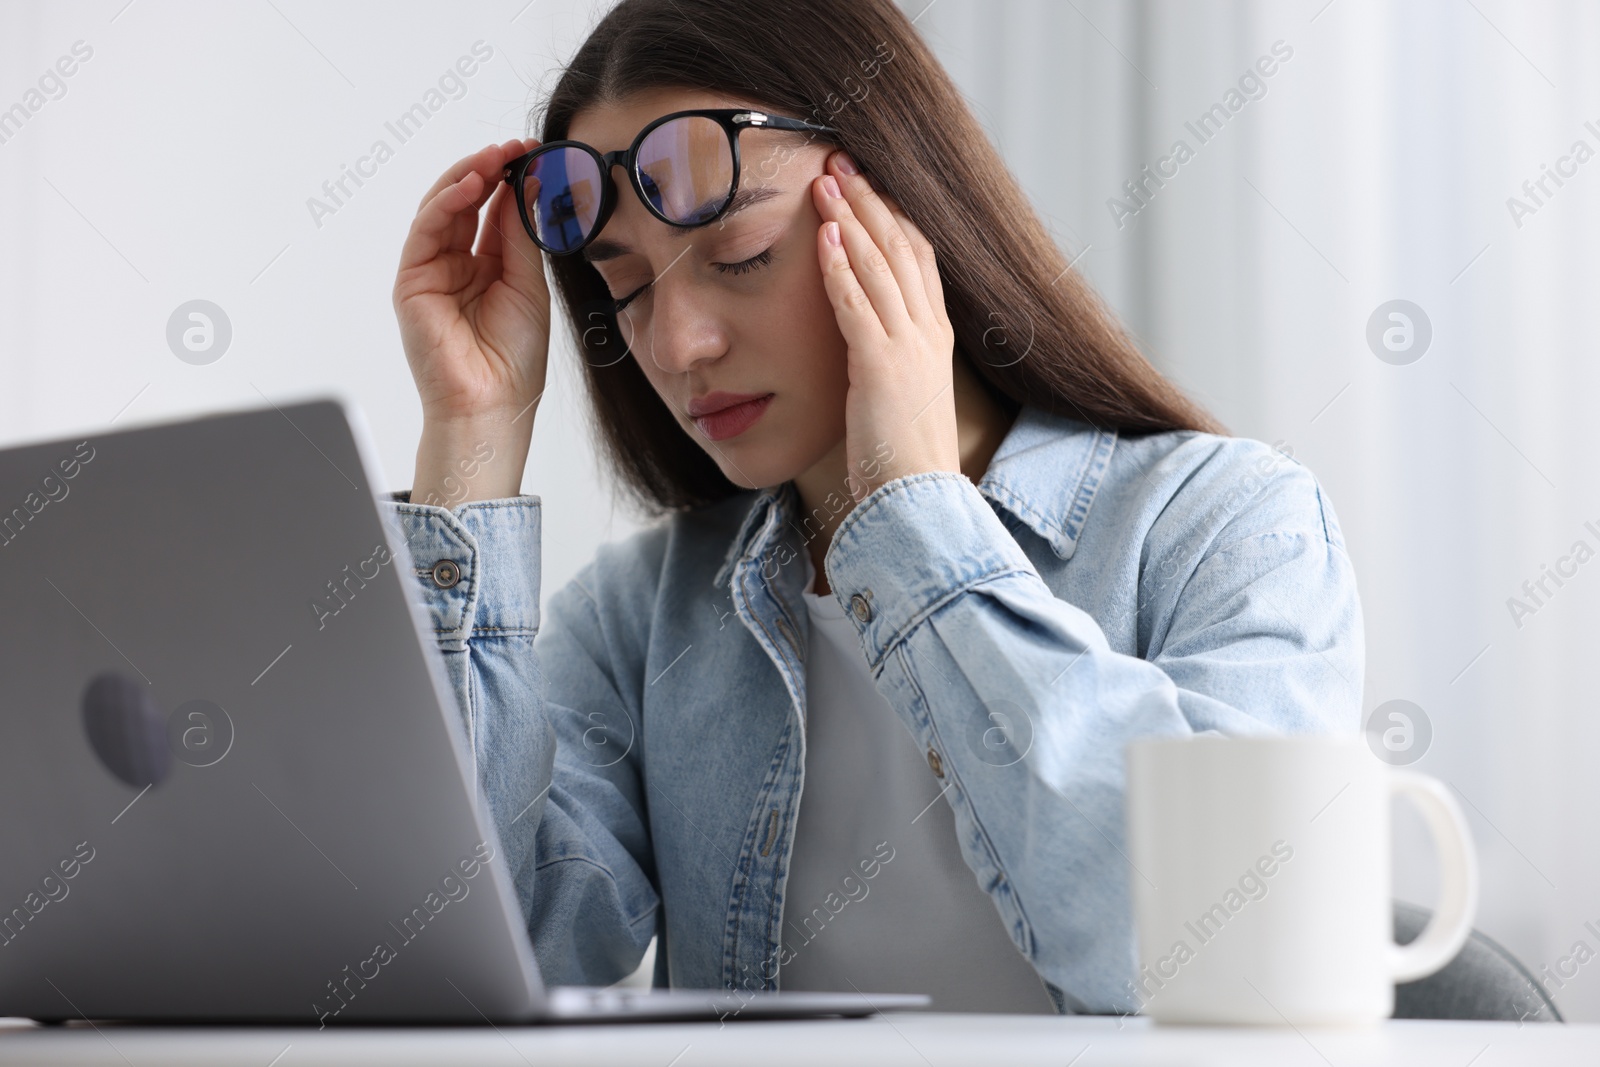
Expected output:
(661, 381)
(812, 357)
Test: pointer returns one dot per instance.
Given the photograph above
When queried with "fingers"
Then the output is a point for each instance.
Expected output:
(503, 233)
(457, 171)
(492, 239)
(521, 265)
(487, 161)
(887, 260)
(873, 269)
(448, 217)
(927, 262)
(859, 320)
(446, 222)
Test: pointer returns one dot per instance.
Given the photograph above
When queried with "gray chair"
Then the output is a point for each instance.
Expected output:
(1483, 982)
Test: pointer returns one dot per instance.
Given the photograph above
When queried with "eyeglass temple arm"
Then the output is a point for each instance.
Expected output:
(762, 120)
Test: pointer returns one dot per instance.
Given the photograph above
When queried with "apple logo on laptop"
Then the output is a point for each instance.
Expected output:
(126, 729)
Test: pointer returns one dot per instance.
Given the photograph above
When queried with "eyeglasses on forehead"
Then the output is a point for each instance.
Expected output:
(683, 166)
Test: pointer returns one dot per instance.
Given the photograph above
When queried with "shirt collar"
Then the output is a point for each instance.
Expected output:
(1046, 473)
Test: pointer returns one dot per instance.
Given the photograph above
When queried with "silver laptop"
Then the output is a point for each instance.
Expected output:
(234, 780)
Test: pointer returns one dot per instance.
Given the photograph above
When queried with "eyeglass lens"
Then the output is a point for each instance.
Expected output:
(685, 167)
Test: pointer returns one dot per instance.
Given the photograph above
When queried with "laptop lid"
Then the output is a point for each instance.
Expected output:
(235, 781)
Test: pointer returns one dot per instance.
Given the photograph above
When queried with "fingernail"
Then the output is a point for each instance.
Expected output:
(847, 164)
(830, 185)
(831, 232)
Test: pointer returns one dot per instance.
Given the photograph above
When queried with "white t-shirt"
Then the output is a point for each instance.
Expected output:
(878, 897)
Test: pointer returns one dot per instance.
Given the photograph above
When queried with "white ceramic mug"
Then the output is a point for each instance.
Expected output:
(1261, 882)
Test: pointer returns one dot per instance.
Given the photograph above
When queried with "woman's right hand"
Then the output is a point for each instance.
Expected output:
(476, 331)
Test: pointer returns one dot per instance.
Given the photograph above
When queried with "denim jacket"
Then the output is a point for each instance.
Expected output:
(642, 747)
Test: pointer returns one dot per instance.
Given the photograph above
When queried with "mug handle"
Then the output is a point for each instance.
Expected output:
(1451, 924)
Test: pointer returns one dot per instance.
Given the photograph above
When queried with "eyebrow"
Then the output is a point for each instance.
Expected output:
(604, 248)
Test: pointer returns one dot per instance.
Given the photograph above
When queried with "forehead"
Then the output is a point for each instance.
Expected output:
(612, 126)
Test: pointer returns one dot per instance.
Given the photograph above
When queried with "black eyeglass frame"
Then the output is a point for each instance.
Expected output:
(732, 121)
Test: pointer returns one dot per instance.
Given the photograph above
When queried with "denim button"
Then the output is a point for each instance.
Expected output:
(860, 608)
(935, 763)
(446, 573)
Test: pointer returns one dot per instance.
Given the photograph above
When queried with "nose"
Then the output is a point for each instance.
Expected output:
(684, 329)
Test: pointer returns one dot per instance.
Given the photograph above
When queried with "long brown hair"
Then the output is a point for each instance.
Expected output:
(1033, 329)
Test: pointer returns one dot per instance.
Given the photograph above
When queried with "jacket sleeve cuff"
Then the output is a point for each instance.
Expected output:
(912, 545)
(474, 567)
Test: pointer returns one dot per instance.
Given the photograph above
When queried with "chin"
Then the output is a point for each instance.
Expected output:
(756, 468)
(758, 464)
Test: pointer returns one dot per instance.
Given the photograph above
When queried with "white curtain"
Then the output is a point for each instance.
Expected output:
(1375, 163)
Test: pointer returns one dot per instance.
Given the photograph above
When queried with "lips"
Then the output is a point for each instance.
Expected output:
(723, 415)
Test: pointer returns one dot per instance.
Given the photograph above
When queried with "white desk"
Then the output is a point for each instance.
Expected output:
(911, 1040)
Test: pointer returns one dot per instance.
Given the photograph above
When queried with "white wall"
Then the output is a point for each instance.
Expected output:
(178, 165)
(179, 162)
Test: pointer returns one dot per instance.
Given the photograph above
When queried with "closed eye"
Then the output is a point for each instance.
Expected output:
(744, 266)
(622, 302)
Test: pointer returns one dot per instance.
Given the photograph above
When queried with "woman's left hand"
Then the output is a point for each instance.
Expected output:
(880, 275)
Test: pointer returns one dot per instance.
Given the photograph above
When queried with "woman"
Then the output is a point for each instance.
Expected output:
(935, 540)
